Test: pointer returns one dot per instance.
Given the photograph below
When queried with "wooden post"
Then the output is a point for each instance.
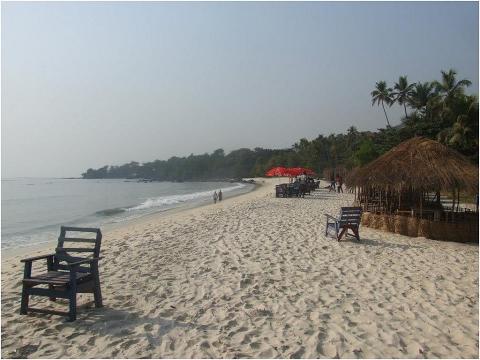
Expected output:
(367, 202)
(458, 198)
(387, 202)
(380, 203)
(453, 205)
(421, 203)
(437, 195)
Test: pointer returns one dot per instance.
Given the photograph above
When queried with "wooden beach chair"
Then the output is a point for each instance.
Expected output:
(65, 276)
(281, 190)
(349, 218)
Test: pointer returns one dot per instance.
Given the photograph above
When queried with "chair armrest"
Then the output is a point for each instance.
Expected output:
(37, 258)
(331, 217)
(85, 261)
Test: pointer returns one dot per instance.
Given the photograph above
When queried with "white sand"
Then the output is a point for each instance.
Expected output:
(255, 276)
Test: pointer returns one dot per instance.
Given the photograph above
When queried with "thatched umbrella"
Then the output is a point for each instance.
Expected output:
(420, 164)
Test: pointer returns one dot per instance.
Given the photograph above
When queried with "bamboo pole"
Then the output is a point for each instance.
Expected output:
(453, 205)
(389, 202)
(421, 204)
(367, 200)
(458, 198)
(380, 203)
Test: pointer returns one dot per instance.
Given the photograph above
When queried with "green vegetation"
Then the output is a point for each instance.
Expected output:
(382, 95)
(439, 110)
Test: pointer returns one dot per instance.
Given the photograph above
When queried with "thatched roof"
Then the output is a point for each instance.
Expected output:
(419, 163)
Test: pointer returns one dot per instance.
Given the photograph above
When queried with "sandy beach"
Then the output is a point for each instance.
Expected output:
(255, 276)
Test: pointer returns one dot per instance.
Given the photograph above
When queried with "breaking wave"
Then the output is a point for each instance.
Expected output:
(176, 199)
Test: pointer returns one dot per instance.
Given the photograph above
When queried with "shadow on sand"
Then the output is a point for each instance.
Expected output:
(121, 323)
(376, 243)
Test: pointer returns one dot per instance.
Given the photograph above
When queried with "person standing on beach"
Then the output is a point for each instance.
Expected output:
(220, 195)
(215, 197)
(332, 184)
(303, 184)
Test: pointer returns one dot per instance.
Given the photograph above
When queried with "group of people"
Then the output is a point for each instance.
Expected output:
(217, 196)
(302, 179)
(336, 184)
(304, 182)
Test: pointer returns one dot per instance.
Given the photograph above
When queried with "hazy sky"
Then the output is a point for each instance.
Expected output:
(90, 84)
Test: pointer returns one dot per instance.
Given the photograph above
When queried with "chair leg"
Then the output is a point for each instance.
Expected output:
(72, 306)
(357, 235)
(27, 273)
(24, 303)
(341, 234)
(97, 293)
(51, 287)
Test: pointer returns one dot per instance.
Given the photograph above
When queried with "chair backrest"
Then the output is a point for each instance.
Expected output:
(350, 215)
(87, 243)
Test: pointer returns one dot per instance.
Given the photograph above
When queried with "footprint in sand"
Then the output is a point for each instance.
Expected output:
(246, 280)
(231, 324)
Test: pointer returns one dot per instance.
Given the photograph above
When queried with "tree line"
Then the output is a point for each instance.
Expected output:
(439, 110)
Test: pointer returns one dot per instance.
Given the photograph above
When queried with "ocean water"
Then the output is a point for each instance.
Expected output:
(34, 209)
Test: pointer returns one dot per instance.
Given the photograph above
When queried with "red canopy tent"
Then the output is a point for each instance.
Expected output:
(291, 172)
(277, 171)
(299, 171)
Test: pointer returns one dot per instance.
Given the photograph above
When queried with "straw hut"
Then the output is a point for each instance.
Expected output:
(415, 188)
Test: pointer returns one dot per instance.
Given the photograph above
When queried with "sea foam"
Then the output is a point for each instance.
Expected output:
(176, 199)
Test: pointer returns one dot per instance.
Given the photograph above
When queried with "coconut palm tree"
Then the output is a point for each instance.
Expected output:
(402, 92)
(382, 95)
(449, 87)
(463, 134)
(421, 95)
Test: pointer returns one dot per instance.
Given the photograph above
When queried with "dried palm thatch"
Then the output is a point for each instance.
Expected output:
(413, 227)
(420, 164)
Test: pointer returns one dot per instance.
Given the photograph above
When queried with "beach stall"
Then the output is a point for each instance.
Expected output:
(292, 188)
(420, 188)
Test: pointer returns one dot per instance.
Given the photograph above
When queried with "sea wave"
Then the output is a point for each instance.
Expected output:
(110, 212)
(176, 199)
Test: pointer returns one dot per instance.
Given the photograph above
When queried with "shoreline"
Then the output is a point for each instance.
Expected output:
(38, 249)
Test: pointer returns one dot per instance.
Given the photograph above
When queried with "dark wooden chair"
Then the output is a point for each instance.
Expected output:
(349, 218)
(293, 190)
(281, 190)
(65, 276)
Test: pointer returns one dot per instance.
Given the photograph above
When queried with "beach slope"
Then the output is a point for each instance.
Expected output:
(255, 276)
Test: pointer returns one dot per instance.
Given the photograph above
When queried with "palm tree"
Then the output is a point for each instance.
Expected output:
(449, 87)
(402, 92)
(421, 95)
(463, 133)
(382, 95)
